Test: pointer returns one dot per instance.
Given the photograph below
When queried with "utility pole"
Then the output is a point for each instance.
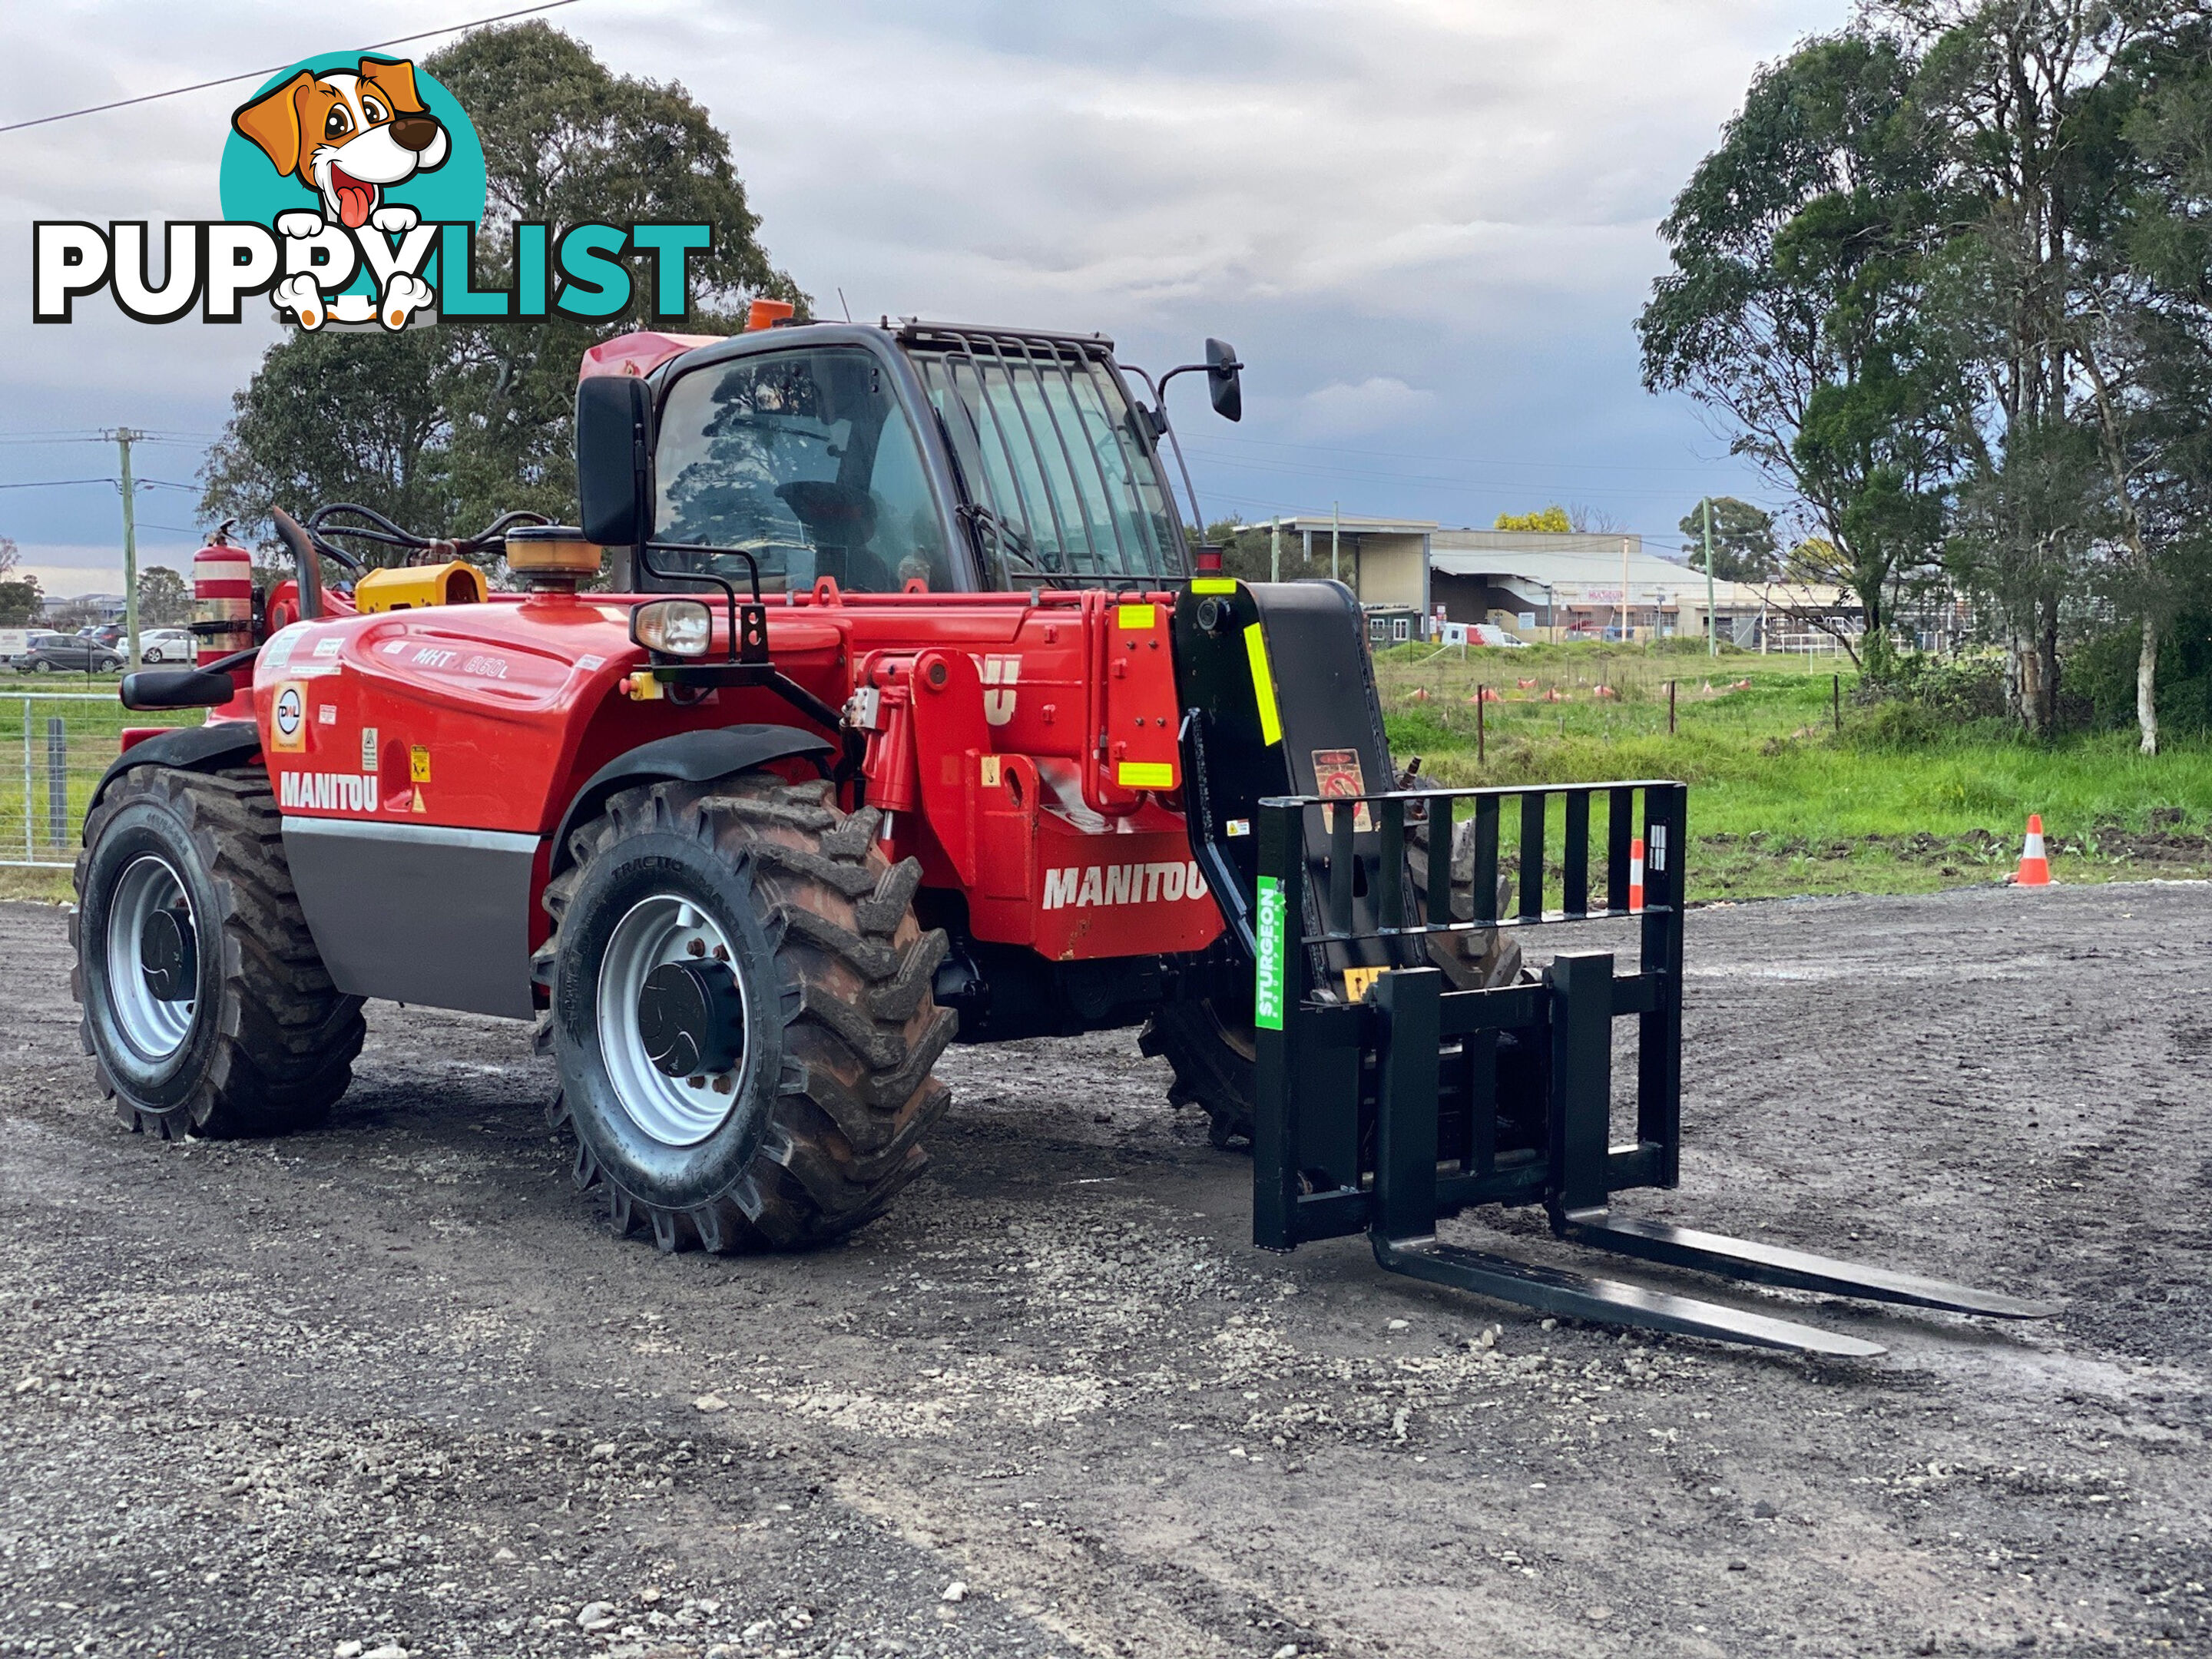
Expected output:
(1335, 530)
(1712, 634)
(124, 437)
(1275, 549)
(1624, 590)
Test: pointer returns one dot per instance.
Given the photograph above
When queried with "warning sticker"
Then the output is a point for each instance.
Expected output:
(368, 749)
(1336, 772)
(418, 764)
(287, 718)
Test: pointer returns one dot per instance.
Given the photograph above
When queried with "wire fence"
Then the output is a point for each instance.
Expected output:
(54, 745)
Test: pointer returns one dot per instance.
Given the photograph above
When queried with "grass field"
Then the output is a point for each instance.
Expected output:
(92, 727)
(1784, 797)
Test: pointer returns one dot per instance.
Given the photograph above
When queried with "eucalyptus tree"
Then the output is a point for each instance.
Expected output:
(1793, 309)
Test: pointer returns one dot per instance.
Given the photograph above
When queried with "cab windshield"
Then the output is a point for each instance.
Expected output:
(805, 459)
(1061, 479)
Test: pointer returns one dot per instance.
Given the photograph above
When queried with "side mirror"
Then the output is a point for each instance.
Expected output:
(1222, 383)
(614, 459)
(152, 689)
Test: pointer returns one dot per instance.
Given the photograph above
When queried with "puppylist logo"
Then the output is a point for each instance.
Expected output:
(352, 188)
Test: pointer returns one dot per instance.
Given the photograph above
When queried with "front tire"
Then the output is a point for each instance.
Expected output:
(740, 1010)
(205, 1005)
(1215, 1061)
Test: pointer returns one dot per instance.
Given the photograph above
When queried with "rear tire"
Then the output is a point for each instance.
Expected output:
(819, 1028)
(182, 887)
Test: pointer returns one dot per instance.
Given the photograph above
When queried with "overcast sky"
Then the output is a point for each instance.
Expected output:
(1427, 227)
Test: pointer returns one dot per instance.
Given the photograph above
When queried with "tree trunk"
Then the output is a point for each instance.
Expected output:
(2046, 651)
(2019, 682)
(2147, 686)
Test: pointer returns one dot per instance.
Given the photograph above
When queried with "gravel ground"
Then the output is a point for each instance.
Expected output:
(391, 1388)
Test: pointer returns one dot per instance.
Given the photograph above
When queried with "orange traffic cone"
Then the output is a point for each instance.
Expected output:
(2035, 868)
(1636, 875)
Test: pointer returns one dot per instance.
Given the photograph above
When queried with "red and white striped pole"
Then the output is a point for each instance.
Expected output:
(1636, 875)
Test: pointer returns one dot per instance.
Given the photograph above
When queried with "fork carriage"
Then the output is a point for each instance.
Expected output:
(1381, 1100)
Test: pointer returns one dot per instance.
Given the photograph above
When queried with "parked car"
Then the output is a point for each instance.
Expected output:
(106, 634)
(167, 645)
(52, 653)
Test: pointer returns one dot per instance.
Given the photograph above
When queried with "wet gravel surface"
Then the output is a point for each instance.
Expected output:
(390, 1388)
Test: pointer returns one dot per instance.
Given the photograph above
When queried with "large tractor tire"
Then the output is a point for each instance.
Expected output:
(206, 1005)
(740, 1010)
(1211, 1048)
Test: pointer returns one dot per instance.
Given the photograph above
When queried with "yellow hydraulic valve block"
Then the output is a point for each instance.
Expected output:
(412, 587)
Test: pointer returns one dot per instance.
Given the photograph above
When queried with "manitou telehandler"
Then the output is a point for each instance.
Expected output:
(903, 714)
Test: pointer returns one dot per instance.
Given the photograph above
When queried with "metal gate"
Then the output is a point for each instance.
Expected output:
(54, 745)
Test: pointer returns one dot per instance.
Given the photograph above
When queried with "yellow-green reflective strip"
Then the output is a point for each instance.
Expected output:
(1214, 584)
(1263, 685)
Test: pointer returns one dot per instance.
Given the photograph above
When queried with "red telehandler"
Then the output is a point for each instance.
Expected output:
(903, 717)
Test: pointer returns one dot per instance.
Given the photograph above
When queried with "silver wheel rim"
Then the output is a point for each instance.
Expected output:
(674, 1111)
(155, 1030)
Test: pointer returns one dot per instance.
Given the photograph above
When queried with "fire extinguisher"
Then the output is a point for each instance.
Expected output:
(222, 614)
(222, 598)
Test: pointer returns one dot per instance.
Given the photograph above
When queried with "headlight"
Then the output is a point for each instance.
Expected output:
(679, 628)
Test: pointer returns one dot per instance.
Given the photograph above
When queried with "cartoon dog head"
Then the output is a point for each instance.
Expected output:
(346, 135)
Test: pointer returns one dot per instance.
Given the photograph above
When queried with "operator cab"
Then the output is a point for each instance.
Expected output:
(925, 456)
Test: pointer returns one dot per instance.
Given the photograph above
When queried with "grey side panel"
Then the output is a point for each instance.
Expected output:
(438, 917)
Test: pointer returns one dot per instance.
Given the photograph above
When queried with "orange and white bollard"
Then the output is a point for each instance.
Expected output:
(1636, 875)
(2034, 867)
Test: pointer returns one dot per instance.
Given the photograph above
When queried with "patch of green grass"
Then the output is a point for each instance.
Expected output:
(92, 726)
(1783, 800)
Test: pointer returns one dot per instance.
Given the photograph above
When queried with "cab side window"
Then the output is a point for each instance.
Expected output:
(805, 459)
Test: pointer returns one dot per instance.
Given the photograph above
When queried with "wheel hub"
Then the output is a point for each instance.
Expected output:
(673, 1020)
(167, 957)
(691, 1018)
(153, 958)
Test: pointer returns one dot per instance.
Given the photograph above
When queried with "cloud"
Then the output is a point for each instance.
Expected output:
(1367, 198)
(1375, 404)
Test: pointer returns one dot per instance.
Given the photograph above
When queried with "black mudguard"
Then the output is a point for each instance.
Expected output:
(207, 748)
(686, 757)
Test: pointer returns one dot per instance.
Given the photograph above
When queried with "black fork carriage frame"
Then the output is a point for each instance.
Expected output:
(1350, 1067)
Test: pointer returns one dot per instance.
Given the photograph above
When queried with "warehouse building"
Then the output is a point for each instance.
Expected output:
(1543, 584)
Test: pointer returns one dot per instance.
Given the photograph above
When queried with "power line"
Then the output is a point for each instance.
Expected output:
(255, 75)
(1266, 465)
(60, 483)
(1197, 444)
(182, 440)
